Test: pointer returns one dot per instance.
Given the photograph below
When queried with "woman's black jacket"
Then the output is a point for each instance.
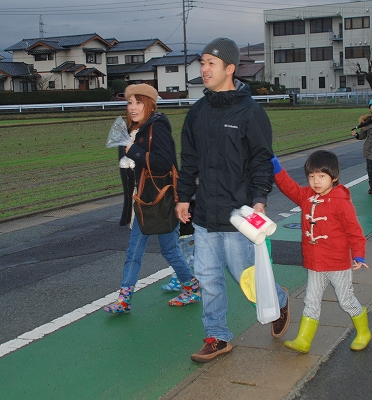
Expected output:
(162, 157)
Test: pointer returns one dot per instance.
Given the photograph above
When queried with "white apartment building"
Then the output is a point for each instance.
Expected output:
(316, 49)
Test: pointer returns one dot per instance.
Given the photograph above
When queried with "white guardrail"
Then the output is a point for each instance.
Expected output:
(113, 104)
(357, 98)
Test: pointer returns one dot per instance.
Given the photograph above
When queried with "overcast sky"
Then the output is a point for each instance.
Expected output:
(240, 20)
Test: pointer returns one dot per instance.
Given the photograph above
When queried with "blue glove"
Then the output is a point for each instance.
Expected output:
(359, 259)
(276, 164)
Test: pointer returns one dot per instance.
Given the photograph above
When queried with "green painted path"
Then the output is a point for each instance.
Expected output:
(143, 354)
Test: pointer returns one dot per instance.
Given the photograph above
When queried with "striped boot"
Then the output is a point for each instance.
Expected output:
(123, 304)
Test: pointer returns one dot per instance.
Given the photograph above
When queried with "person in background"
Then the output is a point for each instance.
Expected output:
(332, 243)
(365, 134)
(141, 114)
(226, 153)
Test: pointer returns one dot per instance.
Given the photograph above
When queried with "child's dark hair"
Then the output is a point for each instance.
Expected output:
(323, 161)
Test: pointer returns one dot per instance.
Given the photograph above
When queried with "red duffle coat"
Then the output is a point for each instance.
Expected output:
(331, 233)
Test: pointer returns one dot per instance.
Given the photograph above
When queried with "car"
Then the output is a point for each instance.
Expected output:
(120, 97)
(343, 89)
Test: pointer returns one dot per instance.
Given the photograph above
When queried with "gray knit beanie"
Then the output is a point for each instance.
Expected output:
(225, 49)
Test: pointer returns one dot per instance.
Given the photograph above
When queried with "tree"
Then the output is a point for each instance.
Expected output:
(118, 85)
(368, 74)
(42, 81)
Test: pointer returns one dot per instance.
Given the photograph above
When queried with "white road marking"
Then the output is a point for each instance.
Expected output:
(350, 184)
(50, 327)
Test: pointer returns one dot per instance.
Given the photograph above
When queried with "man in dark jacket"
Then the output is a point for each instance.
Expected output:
(226, 152)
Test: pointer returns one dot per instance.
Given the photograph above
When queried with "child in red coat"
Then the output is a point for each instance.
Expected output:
(332, 242)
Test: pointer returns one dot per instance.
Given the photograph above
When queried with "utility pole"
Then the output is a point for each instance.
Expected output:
(184, 18)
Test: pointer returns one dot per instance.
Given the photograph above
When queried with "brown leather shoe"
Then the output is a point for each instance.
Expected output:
(212, 348)
(280, 326)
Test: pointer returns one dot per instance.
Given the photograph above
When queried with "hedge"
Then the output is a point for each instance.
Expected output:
(55, 96)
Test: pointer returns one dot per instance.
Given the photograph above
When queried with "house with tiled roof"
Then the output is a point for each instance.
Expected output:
(166, 73)
(196, 87)
(171, 74)
(125, 56)
(50, 55)
(252, 71)
(252, 52)
(148, 61)
(17, 77)
(88, 61)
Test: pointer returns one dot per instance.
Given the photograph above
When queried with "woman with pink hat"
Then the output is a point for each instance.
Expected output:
(141, 115)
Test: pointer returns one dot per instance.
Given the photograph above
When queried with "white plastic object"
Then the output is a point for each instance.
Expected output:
(259, 220)
(267, 304)
(118, 134)
(247, 229)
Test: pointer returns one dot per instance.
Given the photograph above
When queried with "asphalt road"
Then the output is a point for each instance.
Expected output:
(50, 269)
(54, 267)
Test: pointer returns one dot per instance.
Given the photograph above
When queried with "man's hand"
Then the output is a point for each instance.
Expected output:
(259, 207)
(182, 211)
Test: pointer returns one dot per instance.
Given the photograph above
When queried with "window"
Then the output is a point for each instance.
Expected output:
(321, 53)
(276, 81)
(361, 79)
(343, 81)
(44, 57)
(173, 89)
(91, 58)
(289, 56)
(357, 52)
(51, 84)
(138, 59)
(113, 60)
(171, 68)
(357, 23)
(321, 25)
(321, 82)
(303, 82)
(289, 28)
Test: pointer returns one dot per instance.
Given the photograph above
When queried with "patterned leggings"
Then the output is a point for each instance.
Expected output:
(341, 281)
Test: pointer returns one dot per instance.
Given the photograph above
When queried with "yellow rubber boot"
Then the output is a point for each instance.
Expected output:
(305, 335)
(363, 333)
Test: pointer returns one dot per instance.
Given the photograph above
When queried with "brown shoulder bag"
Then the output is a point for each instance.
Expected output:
(156, 198)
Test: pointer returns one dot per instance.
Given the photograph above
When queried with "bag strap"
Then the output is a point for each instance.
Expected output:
(146, 172)
(173, 170)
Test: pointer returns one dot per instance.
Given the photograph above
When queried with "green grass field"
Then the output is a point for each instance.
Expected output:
(61, 159)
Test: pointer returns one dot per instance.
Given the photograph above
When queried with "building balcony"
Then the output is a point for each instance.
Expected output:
(335, 38)
(336, 65)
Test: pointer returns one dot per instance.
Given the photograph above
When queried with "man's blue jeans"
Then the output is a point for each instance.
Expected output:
(213, 251)
(169, 249)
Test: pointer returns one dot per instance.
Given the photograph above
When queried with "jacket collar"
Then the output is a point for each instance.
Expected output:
(226, 98)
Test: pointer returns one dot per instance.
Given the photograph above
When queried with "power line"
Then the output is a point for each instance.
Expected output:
(131, 7)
